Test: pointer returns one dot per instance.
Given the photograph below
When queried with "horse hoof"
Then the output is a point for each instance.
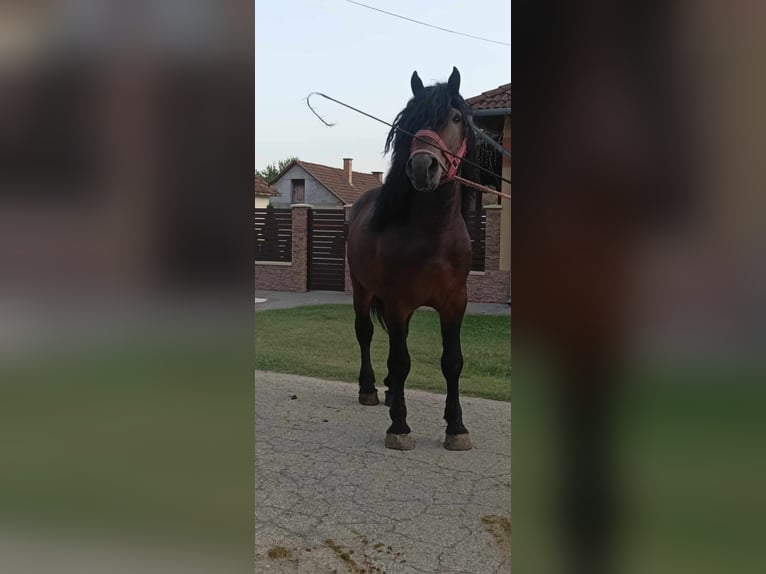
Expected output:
(388, 398)
(458, 442)
(400, 441)
(369, 399)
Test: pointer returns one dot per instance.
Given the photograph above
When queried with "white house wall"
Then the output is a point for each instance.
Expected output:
(315, 194)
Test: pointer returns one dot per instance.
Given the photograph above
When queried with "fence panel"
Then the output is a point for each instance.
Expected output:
(273, 234)
(477, 229)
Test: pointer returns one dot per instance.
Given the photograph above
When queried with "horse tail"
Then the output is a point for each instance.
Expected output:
(379, 312)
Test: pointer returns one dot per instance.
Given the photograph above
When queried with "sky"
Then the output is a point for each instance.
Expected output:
(363, 58)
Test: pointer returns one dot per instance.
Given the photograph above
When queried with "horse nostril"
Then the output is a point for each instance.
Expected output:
(408, 169)
(433, 167)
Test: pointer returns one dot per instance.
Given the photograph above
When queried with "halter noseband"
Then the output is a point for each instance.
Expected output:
(436, 140)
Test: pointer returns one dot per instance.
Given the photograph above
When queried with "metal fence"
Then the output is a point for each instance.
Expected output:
(477, 229)
(273, 234)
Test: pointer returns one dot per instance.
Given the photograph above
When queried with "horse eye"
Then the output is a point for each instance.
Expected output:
(456, 119)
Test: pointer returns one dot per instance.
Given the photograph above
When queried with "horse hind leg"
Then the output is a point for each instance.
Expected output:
(368, 394)
(389, 394)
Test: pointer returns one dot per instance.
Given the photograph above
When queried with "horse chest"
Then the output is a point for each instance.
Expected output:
(435, 257)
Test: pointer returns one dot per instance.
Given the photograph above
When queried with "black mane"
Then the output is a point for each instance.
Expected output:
(430, 108)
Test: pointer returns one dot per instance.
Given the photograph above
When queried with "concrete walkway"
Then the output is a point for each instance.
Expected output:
(285, 299)
(331, 499)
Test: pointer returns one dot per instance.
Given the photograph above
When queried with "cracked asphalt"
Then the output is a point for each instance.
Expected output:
(329, 497)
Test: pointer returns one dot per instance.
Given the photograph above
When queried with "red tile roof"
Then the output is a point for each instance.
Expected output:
(334, 179)
(263, 189)
(500, 97)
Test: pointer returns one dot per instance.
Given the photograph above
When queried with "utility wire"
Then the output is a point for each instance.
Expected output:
(427, 24)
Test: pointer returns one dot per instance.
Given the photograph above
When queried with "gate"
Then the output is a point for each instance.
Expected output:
(327, 249)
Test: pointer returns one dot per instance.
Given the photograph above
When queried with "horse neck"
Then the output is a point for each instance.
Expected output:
(436, 208)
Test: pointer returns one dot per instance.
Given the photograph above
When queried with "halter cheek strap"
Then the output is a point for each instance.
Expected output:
(453, 161)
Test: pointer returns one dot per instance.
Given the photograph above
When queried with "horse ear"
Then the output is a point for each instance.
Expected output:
(454, 81)
(416, 83)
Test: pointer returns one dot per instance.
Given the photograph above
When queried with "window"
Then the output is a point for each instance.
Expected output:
(298, 194)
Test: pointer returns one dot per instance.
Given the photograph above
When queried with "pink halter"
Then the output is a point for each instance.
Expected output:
(453, 161)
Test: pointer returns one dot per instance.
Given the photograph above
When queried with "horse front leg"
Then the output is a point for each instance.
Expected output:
(398, 434)
(457, 437)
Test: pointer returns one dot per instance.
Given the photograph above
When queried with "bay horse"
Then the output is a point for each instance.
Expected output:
(408, 246)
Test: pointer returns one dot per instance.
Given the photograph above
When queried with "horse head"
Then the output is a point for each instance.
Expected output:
(428, 166)
(438, 116)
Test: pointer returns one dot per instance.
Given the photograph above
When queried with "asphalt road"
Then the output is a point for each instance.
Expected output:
(331, 499)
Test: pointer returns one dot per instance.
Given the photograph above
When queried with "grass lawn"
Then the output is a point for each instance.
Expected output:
(319, 341)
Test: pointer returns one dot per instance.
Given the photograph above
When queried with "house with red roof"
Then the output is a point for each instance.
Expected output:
(263, 192)
(496, 99)
(321, 185)
(492, 113)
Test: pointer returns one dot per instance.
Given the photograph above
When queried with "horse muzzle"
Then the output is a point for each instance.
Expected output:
(424, 171)
(427, 169)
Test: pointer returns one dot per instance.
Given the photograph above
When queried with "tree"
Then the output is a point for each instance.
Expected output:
(271, 171)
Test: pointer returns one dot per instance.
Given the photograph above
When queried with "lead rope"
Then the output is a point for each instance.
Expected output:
(468, 182)
(483, 188)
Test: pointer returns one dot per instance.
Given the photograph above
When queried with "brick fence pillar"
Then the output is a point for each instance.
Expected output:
(300, 246)
(347, 285)
(492, 238)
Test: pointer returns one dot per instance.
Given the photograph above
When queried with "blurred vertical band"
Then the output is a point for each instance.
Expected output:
(126, 285)
(639, 272)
